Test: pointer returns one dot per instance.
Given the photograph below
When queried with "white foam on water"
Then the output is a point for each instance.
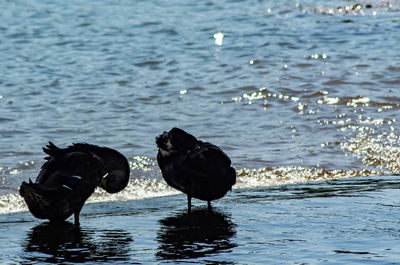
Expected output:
(144, 188)
(378, 151)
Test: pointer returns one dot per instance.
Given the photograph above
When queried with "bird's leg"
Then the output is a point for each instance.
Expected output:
(209, 206)
(189, 199)
(76, 218)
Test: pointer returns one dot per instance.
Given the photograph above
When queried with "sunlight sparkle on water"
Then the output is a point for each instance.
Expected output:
(290, 175)
(328, 100)
(218, 38)
(141, 162)
(362, 100)
(319, 56)
(263, 93)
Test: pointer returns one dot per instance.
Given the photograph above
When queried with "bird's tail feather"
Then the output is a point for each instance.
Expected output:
(51, 149)
(39, 205)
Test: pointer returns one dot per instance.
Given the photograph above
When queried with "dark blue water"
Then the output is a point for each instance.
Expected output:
(292, 91)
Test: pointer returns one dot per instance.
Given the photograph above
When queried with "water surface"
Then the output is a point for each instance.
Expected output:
(293, 91)
(346, 221)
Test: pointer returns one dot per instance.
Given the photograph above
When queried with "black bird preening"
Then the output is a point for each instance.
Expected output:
(199, 169)
(69, 176)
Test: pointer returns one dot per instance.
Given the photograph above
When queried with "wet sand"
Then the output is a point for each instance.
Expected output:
(346, 221)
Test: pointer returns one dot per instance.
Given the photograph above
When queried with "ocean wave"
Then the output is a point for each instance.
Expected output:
(144, 188)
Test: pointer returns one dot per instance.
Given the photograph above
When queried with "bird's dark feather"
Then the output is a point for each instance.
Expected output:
(199, 169)
(66, 180)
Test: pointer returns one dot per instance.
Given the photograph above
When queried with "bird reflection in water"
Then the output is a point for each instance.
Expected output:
(194, 235)
(64, 242)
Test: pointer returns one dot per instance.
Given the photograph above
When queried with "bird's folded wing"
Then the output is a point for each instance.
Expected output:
(75, 170)
(211, 153)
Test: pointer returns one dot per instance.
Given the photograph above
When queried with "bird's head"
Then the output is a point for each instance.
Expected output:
(164, 144)
(116, 171)
(115, 181)
(176, 140)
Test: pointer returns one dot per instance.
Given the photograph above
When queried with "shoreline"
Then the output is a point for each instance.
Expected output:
(140, 188)
(328, 221)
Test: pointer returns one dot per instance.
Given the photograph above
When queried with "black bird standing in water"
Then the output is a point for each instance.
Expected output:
(200, 170)
(70, 176)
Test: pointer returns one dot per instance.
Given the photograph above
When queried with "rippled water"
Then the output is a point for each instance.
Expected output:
(292, 91)
(295, 87)
(346, 221)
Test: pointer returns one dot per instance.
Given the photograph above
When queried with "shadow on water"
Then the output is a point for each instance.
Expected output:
(195, 235)
(63, 242)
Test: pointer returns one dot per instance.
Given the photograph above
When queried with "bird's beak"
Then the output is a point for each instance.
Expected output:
(103, 183)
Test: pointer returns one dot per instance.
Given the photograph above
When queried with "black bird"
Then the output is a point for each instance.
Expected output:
(199, 169)
(68, 178)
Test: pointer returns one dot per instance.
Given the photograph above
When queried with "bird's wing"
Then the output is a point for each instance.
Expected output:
(70, 172)
(211, 153)
(205, 162)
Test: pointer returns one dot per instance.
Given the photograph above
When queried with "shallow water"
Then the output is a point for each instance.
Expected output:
(293, 91)
(294, 87)
(346, 221)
